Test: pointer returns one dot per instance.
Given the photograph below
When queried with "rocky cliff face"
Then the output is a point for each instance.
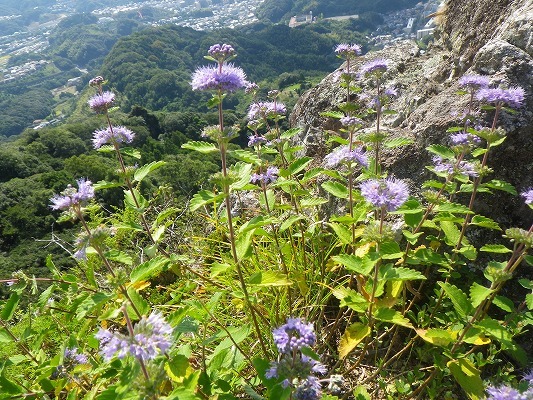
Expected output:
(488, 37)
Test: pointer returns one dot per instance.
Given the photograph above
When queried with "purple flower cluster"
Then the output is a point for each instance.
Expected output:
(101, 102)
(387, 193)
(265, 110)
(221, 52)
(474, 81)
(348, 51)
(73, 197)
(342, 154)
(97, 81)
(73, 358)
(116, 134)
(270, 176)
(297, 370)
(256, 140)
(226, 78)
(508, 393)
(513, 97)
(464, 139)
(151, 336)
(350, 121)
(453, 168)
(377, 66)
(528, 199)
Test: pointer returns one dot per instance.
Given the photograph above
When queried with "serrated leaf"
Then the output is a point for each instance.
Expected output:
(495, 248)
(451, 233)
(390, 251)
(343, 232)
(149, 269)
(201, 147)
(203, 198)
(454, 208)
(412, 238)
(393, 316)
(131, 152)
(460, 302)
(135, 200)
(269, 279)
(4, 336)
(504, 303)
(332, 114)
(438, 337)
(468, 376)
(501, 185)
(289, 133)
(10, 306)
(353, 335)
(497, 330)
(360, 265)
(118, 256)
(312, 202)
(336, 189)
(311, 174)
(289, 222)
(351, 299)
(440, 150)
(403, 274)
(479, 293)
(105, 185)
(398, 142)
(297, 165)
(246, 156)
(243, 244)
(485, 222)
(242, 172)
(141, 172)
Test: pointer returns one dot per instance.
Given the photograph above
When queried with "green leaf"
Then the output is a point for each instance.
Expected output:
(242, 172)
(497, 330)
(312, 174)
(270, 199)
(360, 393)
(479, 293)
(343, 232)
(412, 238)
(351, 299)
(468, 376)
(495, 248)
(10, 306)
(141, 172)
(312, 202)
(4, 336)
(451, 233)
(485, 222)
(131, 152)
(336, 189)
(398, 142)
(390, 251)
(131, 226)
(440, 150)
(298, 165)
(201, 147)
(412, 212)
(119, 256)
(332, 114)
(203, 198)
(504, 303)
(9, 387)
(269, 279)
(138, 301)
(129, 199)
(246, 156)
(403, 274)
(289, 133)
(454, 208)
(460, 302)
(353, 335)
(149, 269)
(361, 265)
(289, 222)
(390, 315)
(438, 337)
(106, 185)
(501, 185)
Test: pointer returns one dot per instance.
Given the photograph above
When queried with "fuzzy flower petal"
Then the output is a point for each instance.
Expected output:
(227, 79)
(102, 101)
(376, 66)
(474, 81)
(118, 134)
(388, 193)
(513, 97)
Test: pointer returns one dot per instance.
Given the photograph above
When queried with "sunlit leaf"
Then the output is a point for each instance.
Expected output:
(353, 335)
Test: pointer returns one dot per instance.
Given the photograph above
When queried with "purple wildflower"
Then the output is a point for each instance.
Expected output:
(350, 121)
(227, 78)
(464, 139)
(391, 91)
(294, 335)
(463, 167)
(308, 389)
(151, 336)
(503, 393)
(348, 51)
(72, 196)
(266, 109)
(513, 97)
(101, 102)
(388, 193)
(474, 81)
(342, 154)
(529, 376)
(256, 140)
(221, 52)
(96, 81)
(376, 66)
(251, 87)
(528, 199)
(117, 134)
(71, 356)
(270, 176)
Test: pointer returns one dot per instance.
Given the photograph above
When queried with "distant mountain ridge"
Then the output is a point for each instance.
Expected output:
(282, 10)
